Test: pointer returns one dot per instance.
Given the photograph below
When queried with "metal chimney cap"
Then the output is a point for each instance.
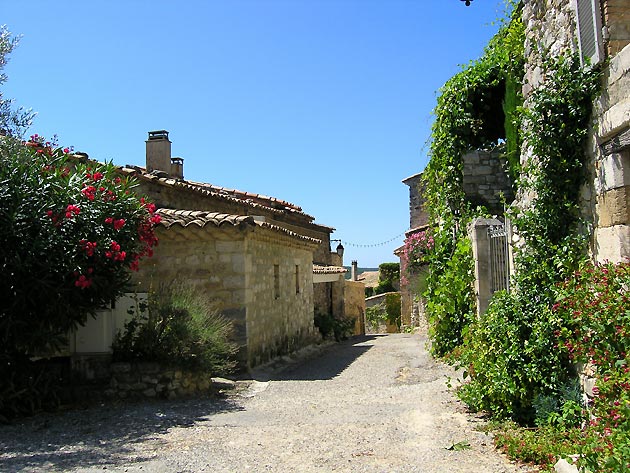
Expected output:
(158, 135)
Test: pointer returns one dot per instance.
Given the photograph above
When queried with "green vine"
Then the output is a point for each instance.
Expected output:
(510, 355)
(475, 110)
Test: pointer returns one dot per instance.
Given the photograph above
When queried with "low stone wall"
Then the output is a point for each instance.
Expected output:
(151, 380)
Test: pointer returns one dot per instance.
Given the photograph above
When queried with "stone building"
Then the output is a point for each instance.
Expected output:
(261, 259)
(600, 30)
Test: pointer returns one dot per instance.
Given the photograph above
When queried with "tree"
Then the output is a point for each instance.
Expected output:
(12, 122)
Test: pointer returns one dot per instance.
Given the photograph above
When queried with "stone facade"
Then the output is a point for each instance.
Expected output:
(259, 275)
(418, 215)
(354, 304)
(551, 26)
(486, 180)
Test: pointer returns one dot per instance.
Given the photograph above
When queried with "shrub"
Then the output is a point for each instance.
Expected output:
(178, 327)
(70, 232)
(339, 328)
(595, 305)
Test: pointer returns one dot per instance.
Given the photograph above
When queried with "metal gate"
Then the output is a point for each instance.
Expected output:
(499, 238)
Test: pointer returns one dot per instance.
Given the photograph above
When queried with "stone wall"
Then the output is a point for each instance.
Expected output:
(210, 258)
(418, 216)
(617, 20)
(486, 180)
(151, 380)
(354, 304)
(605, 200)
(280, 297)
(610, 202)
(235, 267)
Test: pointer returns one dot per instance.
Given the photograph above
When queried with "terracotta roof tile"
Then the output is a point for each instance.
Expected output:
(185, 218)
(251, 199)
(199, 218)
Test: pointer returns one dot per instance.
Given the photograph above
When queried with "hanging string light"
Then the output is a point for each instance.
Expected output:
(371, 245)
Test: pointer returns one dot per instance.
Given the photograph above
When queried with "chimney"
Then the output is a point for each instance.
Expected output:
(353, 271)
(177, 168)
(159, 152)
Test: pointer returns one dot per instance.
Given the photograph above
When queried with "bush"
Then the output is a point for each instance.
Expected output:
(387, 311)
(339, 328)
(70, 232)
(595, 306)
(178, 326)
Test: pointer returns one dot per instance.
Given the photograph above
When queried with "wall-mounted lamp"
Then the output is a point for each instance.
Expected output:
(339, 248)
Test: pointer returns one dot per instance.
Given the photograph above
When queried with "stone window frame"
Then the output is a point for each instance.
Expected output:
(298, 288)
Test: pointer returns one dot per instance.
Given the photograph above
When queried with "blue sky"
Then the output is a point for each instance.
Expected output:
(324, 103)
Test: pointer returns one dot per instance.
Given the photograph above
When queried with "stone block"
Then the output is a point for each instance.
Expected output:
(150, 392)
(121, 367)
(612, 243)
(613, 207)
(613, 171)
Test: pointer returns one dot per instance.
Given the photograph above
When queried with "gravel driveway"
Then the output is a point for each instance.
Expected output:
(371, 404)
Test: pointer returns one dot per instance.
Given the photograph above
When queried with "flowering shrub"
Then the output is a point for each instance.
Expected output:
(414, 253)
(595, 305)
(70, 232)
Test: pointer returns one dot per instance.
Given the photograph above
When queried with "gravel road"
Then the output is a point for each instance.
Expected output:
(371, 404)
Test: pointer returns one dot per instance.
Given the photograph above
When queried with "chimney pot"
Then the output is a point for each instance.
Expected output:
(177, 168)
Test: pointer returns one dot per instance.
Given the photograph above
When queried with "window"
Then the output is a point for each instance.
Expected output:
(589, 30)
(276, 281)
(297, 278)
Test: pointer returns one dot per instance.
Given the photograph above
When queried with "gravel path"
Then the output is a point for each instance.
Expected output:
(373, 404)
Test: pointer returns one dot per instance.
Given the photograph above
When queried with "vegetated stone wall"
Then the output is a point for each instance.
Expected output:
(550, 26)
(605, 200)
(151, 380)
(486, 180)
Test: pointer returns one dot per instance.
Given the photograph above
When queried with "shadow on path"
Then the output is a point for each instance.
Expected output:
(102, 435)
(326, 363)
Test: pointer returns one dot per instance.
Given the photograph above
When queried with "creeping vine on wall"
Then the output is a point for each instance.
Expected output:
(476, 110)
(511, 353)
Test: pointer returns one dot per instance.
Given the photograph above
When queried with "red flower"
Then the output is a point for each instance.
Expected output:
(89, 192)
(83, 282)
(72, 210)
(109, 220)
(118, 224)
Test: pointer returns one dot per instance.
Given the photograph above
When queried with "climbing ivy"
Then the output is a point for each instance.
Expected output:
(510, 355)
(475, 110)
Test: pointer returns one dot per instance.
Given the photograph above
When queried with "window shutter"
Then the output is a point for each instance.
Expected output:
(589, 29)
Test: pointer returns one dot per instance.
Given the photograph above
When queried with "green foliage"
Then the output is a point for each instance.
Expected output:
(180, 327)
(369, 291)
(70, 232)
(542, 446)
(595, 306)
(388, 311)
(511, 352)
(475, 110)
(330, 326)
(376, 316)
(388, 277)
(388, 271)
(450, 305)
(12, 122)
(27, 387)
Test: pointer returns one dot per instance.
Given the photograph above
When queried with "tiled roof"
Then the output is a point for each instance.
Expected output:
(251, 199)
(200, 218)
(319, 269)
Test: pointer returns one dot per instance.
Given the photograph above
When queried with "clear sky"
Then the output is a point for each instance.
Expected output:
(324, 103)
